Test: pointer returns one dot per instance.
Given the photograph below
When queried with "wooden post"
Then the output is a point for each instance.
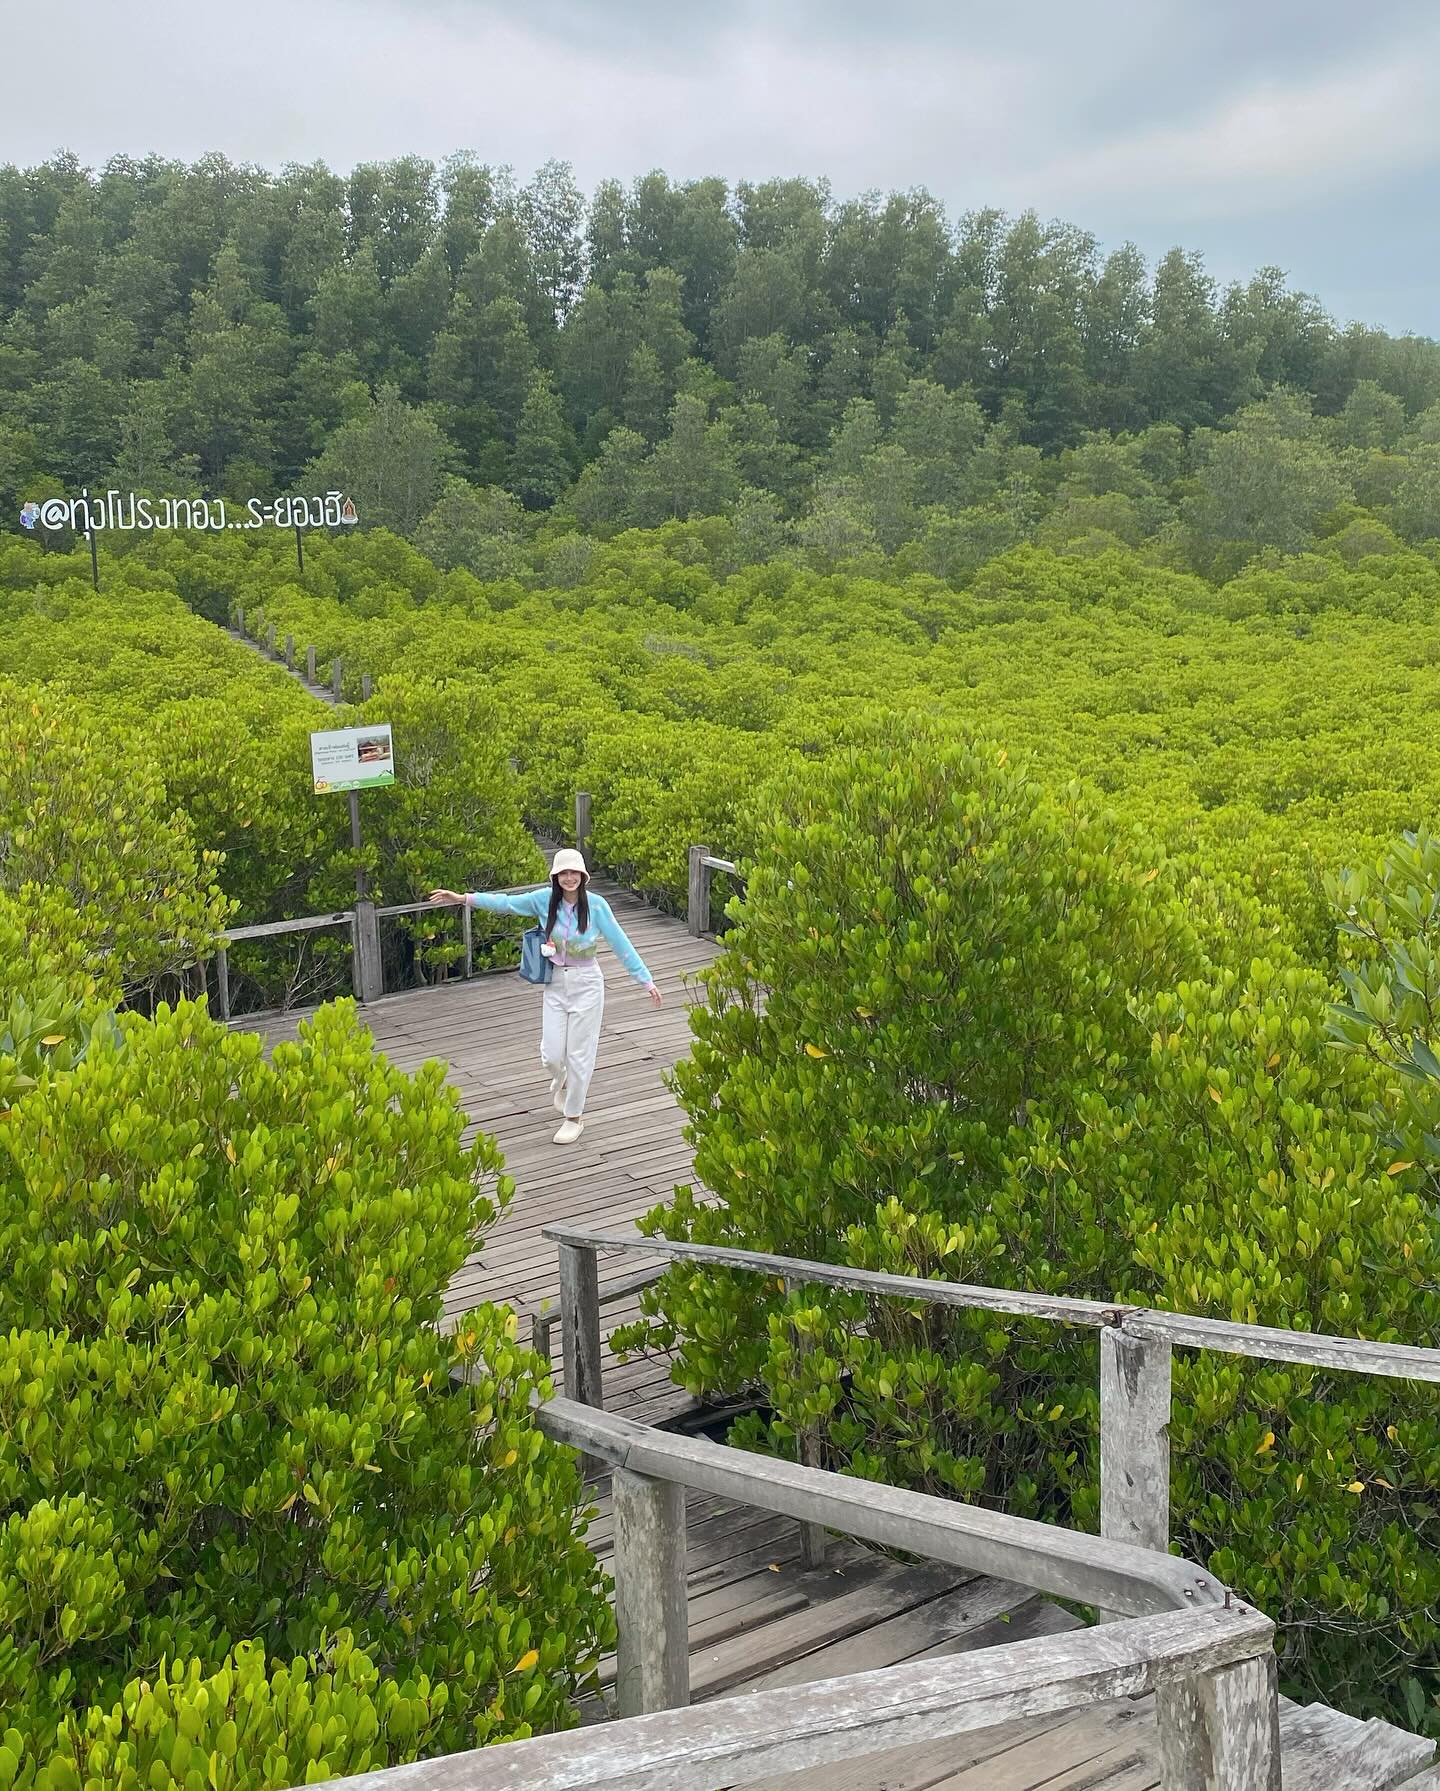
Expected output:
(582, 822)
(240, 619)
(1220, 1731)
(580, 1324)
(698, 905)
(290, 652)
(270, 640)
(335, 671)
(222, 977)
(365, 687)
(1134, 1440)
(310, 663)
(369, 974)
(652, 1656)
(467, 933)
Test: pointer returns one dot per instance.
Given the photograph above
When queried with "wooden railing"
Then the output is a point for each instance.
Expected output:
(1218, 1716)
(703, 866)
(1135, 1354)
(1211, 1671)
(363, 922)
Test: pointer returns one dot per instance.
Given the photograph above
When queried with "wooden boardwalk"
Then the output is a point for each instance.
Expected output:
(632, 1152)
(758, 1618)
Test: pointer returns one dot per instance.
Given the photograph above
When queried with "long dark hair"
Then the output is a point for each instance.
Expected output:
(582, 905)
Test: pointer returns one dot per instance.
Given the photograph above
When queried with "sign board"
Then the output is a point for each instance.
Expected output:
(352, 758)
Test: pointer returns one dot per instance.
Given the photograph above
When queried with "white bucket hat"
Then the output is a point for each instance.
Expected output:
(569, 859)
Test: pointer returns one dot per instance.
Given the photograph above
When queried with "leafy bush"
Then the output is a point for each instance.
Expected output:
(244, 1727)
(967, 1029)
(145, 900)
(228, 1416)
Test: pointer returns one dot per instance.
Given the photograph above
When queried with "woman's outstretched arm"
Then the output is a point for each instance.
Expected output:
(501, 903)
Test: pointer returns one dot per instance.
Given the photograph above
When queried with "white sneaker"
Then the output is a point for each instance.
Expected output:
(557, 1092)
(570, 1131)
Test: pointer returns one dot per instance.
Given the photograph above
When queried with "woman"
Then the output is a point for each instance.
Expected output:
(574, 922)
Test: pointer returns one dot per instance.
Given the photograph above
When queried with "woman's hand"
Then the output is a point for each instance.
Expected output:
(446, 895)
(656, 998)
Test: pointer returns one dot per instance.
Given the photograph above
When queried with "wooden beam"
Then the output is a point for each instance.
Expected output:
(813, 1274)
(1063, 1563)
(697, 905)
(651, 1612)
(369, 975)
(269, 929)
(1135, 1440)
(1312, 1349)
(766, 1735)
(1220, 1728)
(580, 1326)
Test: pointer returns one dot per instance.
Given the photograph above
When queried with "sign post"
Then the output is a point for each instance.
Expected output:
(354, 759)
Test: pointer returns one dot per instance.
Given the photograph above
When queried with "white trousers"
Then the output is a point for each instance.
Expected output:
(573, 1006)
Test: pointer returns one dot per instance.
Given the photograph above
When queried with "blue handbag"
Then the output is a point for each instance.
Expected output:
(535, 967)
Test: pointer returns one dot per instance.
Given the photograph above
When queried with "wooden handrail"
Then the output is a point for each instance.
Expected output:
(1135, 1355)
(1356, 1355)
(269, 929)
(1068, 1564)
(766, 1735)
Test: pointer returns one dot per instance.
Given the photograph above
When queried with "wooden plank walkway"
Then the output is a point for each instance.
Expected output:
(630, 1156)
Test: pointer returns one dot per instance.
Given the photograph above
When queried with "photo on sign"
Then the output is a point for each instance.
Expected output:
(352, 758)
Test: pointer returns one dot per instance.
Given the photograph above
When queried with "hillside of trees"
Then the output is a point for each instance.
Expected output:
(479, 362)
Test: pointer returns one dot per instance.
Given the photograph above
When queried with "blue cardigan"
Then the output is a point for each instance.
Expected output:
(578, 947)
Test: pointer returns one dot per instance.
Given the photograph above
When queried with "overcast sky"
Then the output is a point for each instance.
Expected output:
(1305, 135)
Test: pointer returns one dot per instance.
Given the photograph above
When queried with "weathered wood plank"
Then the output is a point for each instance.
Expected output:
(949, 1762)
(807, 1274)
(945, 1621)
(1062, 1563)
(580, 1325)
(1310, 1349)
(653, 1664)
(1326, 1751)
(1135, 1439)
(738, 1740)
(1220, 1729)
(827, 1615)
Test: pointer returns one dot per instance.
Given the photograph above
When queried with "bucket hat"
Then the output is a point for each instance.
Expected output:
(569, 860)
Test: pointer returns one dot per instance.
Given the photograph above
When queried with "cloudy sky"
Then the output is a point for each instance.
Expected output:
(1305, 135)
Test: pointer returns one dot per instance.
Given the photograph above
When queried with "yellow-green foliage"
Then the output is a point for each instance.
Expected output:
(150, 729)
(89, 823)
(243, 1727)
(969, 1029)
(1269, 731)
(1008, 1033)
(227, 1414)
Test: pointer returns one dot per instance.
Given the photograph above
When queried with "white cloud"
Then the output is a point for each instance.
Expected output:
(352, 80)
(1268, 144)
